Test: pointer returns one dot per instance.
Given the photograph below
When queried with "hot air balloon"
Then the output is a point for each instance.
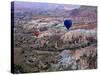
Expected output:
(36, 33)
(68, 23)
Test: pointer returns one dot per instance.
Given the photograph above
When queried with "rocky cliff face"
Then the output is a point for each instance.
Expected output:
(84, 58)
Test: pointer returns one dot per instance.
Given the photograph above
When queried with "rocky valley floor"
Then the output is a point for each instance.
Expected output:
(55, 48)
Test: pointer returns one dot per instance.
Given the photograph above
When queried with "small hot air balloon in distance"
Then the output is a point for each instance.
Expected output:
(36, 33)
(68, 23)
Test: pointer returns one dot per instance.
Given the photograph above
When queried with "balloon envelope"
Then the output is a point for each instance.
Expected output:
(36, 33)
(68, 23)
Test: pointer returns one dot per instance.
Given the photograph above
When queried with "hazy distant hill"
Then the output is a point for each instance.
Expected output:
(85, 14)
(84, 11)
(48, 9)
